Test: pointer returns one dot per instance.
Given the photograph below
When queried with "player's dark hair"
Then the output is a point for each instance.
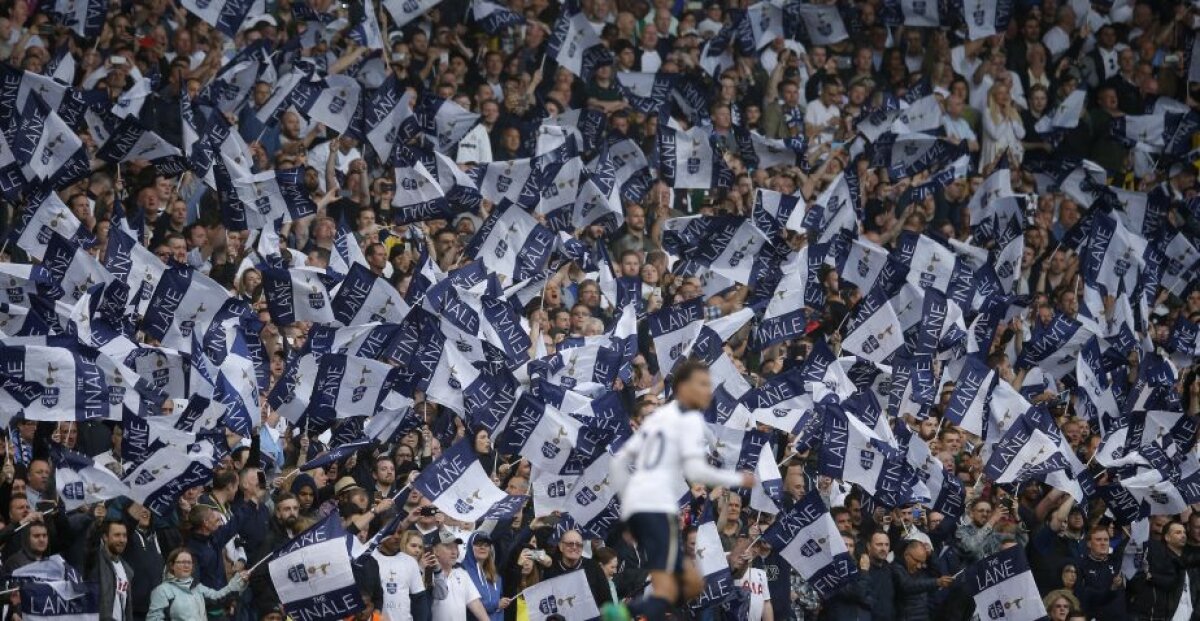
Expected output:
(684, 372)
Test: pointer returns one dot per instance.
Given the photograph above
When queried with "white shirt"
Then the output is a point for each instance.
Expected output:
(754, 583)
(818, 114)
(959, 128)
(400, 577)
(1108, 62)
(122, 580)
(475, 146)
(460, 592)
(668, 446)
(651, 61)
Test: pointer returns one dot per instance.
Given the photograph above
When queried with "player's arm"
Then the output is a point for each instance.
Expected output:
(695, 464)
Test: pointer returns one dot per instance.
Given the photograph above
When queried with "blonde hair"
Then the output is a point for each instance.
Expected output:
(1057, 594)
(994, 108)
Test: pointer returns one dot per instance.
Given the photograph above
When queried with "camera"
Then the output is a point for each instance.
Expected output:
(429, 511)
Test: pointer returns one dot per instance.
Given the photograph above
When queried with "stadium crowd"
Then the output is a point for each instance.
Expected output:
(200, 558)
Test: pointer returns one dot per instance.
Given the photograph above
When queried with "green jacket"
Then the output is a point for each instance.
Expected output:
(184, 599)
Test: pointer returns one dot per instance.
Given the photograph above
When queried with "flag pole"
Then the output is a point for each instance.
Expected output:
(260, 562)
(44, 513)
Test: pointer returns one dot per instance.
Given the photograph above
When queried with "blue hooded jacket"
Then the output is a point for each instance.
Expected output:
(490, 592)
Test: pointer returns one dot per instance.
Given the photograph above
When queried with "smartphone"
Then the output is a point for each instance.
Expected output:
(45, 505)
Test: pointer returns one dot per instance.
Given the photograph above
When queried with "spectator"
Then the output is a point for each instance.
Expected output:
(881, 577)
(1101, 587)
(181, 597)
(113, 574)
(454, 593)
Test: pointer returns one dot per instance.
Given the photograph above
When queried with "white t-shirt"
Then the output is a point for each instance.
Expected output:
(663, 443)
(819, 114)
(122, 585)
(461, 592)
(400, 577)
(754, 582)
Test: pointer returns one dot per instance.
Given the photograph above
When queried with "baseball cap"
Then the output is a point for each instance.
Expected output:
(481, 536)
(345, 484)
(447, 537)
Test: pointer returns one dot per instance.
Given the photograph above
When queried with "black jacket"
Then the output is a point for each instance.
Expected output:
(883, 588)
(145, 554)
(104, 574)
(1156, 595)
(912, 593)
(1094, 588)
(852, 602)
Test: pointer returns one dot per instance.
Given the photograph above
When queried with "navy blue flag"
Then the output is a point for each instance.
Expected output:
(313, 574)
(807, 538)
(494, 17)
(1003, 587)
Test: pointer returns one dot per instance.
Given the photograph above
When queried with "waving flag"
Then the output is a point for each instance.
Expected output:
(773, 209)
(67, 270)
(918, 13)
(405, 11)
(80, 481)
(711, 562)
(165, 475)
(227, 16)
(1003, 587)
(878, 334)
(539, 433)
(985, 18)
(823, 23)
(59, 601)
(494, 17)
(458, 485)
(185, 301)
(832, 212)
(767, 495)
(295, 294)
(1055, 349)
(572, 37)
(785, 317)
(972, 390)
(673, 329)
(362, 297)
(332, 101)
(512, 244)
(443, 121)
(312, 573)
(1023, 453)
(54, 383)
(807, 538)
(687, 159)
(51, 151)
(85, 19)
(567, 596)
(1065, 115)
(1114, 257)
